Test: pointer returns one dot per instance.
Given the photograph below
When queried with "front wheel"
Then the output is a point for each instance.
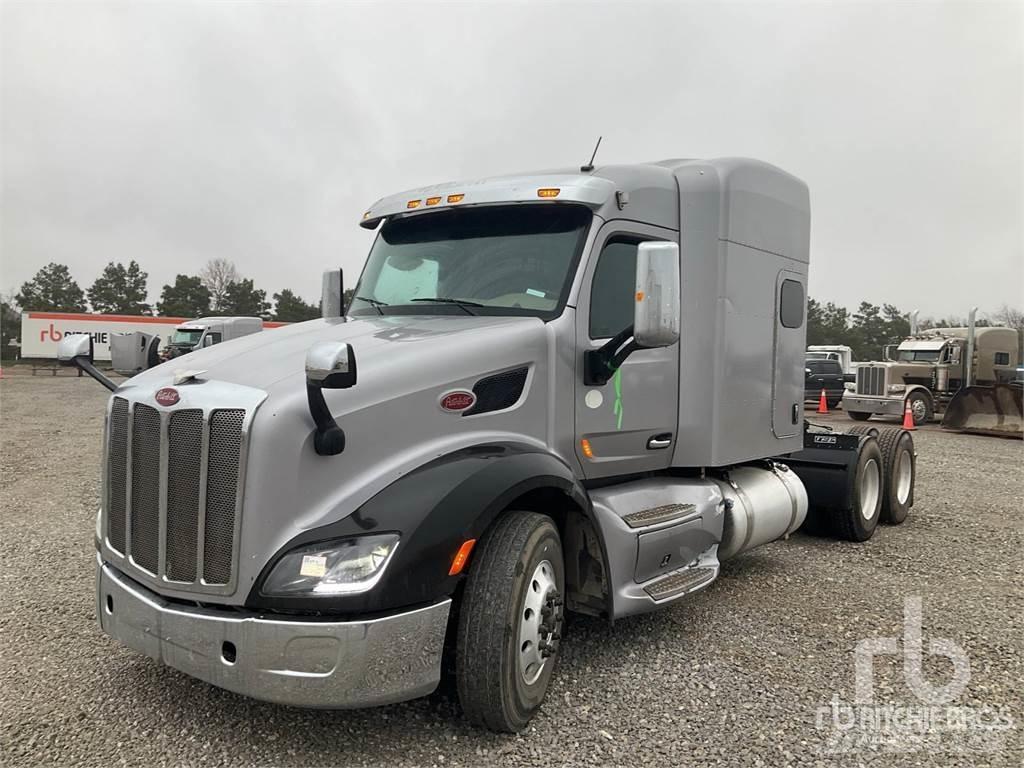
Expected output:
(510, 622)
(920, 407)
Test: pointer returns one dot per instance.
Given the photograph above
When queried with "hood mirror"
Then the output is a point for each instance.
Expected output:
(78, 345)
(329, 365)
(77, 350)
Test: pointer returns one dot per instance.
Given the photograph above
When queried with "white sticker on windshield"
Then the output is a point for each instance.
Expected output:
(313, 565)
(533, 292)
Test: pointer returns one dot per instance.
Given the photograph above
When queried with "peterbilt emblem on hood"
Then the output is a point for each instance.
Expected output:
(456, 402)
(166, 396)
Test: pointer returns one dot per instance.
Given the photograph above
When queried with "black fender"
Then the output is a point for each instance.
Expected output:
(434, 508)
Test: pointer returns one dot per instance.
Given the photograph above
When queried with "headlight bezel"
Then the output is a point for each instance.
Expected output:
(897, 389)
(294, 584)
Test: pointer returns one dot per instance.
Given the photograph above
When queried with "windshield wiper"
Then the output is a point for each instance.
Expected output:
(374, 303)
(461, 303)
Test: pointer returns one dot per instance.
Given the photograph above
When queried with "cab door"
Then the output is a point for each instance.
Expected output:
(630, 422)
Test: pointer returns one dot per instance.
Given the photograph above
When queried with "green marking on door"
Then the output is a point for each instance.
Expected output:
(617, 409)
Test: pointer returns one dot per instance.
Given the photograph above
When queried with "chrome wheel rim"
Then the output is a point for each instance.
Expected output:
(919, 409)
(904, 476)
(869, 487)
(539, 621)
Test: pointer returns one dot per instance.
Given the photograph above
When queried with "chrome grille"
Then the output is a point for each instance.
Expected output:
(184, 465)
(173, 487)
(145, 529)
(117, 477)
(871, 380)
(221, 492)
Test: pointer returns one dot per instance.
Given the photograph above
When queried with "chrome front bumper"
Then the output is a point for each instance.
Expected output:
(301, 662)
(888, 406)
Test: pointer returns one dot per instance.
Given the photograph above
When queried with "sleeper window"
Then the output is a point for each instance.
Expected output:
(791, 304)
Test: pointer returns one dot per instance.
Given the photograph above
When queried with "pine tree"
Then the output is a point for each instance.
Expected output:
(51, 290)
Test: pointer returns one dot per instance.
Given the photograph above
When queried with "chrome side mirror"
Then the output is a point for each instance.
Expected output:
(656, 311)
(77, 350)
(329, 365)
(78, 345)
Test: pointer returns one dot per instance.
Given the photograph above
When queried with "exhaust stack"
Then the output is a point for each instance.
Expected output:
(969, 361)
(913, 322)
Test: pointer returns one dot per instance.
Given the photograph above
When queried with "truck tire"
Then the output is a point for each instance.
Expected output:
(510, 622)
(920, 407)
(900, 466)
(859, 523)
(863, 430)
(858, 415)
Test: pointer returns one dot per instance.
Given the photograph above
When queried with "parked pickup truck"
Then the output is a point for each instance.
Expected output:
(567, 390)
(825, 375)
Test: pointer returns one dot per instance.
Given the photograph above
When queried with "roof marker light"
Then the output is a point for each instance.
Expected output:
(433, 200)
(413, 204)
(548, 192)
(455, 198)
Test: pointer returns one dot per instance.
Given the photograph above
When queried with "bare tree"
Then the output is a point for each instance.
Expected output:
(1009, 316)
(217, 275)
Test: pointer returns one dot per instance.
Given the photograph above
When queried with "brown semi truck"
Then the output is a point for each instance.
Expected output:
(964, 373)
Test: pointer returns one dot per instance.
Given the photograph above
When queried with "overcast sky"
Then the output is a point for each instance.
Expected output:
(175, 132)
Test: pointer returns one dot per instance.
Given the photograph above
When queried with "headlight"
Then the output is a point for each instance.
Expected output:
(332, 568)
(896, 388)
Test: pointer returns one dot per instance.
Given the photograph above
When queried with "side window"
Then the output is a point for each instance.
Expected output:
(1002, 358)
(214, 338)
(791, 304)
(611, 295)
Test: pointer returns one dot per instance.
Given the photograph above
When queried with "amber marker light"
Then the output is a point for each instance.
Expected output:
(587, 450)
(548, 192)
(433, 200)
(413, 204)
(455, 198)
(639, 295)
(459, 562)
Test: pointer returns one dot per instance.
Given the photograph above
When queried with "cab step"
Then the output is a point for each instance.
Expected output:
(663, 514)
(680, 582)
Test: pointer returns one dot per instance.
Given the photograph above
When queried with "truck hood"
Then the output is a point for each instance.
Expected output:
(274, 360)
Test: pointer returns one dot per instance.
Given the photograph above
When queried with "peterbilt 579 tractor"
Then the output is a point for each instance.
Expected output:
(568, 390)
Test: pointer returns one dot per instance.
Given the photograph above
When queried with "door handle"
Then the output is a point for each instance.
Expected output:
(657, 442)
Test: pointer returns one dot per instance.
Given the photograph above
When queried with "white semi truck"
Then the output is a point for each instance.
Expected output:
(570, 390)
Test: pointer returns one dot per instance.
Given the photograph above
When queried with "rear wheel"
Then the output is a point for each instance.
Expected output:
(858, 415)
(859, 522)
(510, 622)
(898, 460)
(920, 407)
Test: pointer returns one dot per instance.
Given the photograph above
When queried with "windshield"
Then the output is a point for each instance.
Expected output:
(191, 338)
(507, 260)
(918, 355)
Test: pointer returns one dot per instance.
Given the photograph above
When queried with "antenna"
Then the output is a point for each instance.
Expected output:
(590, 166)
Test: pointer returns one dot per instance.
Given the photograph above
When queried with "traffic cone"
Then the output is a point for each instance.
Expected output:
(908, 417)
(822, 402)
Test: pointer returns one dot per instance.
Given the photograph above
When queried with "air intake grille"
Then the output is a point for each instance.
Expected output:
(871, 380)
(497, 392)
(173, 492)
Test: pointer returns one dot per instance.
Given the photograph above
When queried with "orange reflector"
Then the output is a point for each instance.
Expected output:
(548, 192)
(433, 200)
(587, 450)
(413, 204)
(455, 198)
(459, 562)
(639, 295)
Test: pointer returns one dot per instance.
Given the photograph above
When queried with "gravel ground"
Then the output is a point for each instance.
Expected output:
(736, 675)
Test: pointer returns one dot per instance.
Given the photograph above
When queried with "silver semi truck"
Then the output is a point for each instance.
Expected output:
(569, 390)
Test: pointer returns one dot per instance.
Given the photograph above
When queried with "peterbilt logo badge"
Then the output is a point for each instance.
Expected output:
(167, 396)
(455, 402)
